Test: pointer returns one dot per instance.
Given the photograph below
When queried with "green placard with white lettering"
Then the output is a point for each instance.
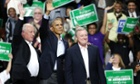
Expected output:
(84, 16)
(30, 9)
(5, 50)
(130, 24)
(58, 3)
(119, 77)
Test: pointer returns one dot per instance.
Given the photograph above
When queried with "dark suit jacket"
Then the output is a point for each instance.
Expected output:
(127, 13)
(137, 77)
(109, 66)
(21, 54)
(49, 53)
(75, 72)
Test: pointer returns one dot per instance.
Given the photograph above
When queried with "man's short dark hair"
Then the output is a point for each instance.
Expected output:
(131, 1)
(57, 18)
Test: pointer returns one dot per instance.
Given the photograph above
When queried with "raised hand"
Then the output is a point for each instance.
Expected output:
(21, 10)
(7, 1)
(110, 7)
(49, 6)
(111, 59)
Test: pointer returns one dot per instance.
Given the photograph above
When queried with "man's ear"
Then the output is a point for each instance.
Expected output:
(51, 28)
(22, 33)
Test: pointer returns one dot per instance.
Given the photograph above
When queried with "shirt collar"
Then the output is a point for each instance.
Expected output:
(28, 42)
(60, 38)
(81, 47)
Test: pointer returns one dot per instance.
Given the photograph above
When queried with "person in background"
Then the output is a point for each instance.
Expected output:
(10, 24)
(136, 40)
(36, 22)
(68, 26)
(82, 62)
(5, 75)
(136, 68)
(96, 38)
(122, 46)
(132, 9)
(114, 17)
(68, 38)
(115, 63)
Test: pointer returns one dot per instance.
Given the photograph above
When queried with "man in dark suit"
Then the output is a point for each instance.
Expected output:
(25, 65)
(133, 12)
(136, 68)
(53, 50)
(82, 63)
(132, 9)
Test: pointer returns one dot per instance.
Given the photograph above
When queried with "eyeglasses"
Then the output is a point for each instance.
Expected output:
(39, 13)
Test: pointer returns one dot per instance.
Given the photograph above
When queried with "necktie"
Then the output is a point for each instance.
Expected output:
(132, 15)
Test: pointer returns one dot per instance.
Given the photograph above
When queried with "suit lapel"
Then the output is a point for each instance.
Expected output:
(79, 55)
(53, 43)
(65, 44)
(89, 56)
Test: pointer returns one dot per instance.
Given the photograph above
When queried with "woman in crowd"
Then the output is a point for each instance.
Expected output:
(115, 63)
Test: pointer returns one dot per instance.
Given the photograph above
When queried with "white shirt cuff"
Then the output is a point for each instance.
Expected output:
(135, 74)
(46, 16)
(4, 76)
(21, 18)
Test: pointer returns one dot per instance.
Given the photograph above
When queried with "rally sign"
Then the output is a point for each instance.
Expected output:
(5, 50)
(119, 77)
(121, 24)
(130, 24)
(58, 3)
(30, 9)
(84, 16)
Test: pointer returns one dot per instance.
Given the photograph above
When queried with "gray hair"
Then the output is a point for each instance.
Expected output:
(79, 29)
(53, 20)
(25, 26)
(36, 9)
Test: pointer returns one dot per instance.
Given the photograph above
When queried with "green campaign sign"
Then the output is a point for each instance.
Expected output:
(58, 3)
(84, 16)
(30, 9)
(130, 24)
(119, 77)
(5, 49)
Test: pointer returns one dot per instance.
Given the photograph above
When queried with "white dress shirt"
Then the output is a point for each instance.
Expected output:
(33, 65)
(85, 56)
(116, 69)
(60, 50)
(4, 76)
(133, 14)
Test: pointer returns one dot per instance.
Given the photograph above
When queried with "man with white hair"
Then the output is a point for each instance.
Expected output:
(25, 65)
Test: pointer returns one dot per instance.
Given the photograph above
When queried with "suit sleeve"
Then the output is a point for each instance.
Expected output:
(100, 69)
(108, 66)
(17, 38)
(68, 68)
(17, 32)
(44, 28)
